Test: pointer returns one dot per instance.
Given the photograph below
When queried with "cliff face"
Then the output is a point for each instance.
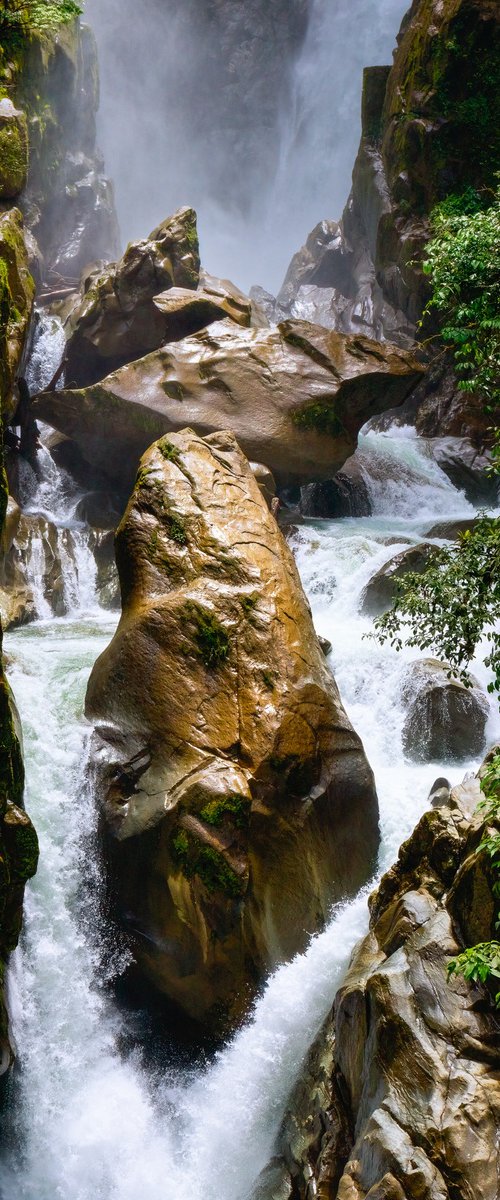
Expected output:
(50, 175)
(51, 77)
(400, 1099)
(430, 129)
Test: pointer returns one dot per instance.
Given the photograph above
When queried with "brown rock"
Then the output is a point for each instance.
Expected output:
(295, 398)
(236, 798)
(117, 320)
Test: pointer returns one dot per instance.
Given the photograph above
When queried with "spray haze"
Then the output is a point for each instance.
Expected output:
(246, 109)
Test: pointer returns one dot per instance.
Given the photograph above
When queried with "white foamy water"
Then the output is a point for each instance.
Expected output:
(89, 1119)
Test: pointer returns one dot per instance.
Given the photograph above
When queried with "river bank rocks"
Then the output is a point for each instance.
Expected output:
(236, 799)
(16, 303)
(400, 1097)
(445, 721)
(295, 397)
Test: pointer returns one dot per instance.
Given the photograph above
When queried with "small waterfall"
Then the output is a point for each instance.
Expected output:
(402, 477)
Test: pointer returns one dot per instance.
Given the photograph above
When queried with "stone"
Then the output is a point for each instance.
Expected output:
(415, 1053)
(468, 469)
(236, 800)
(295, 398)
(13, 150)
(107, 581)
(380, 593)
(445, 721)
(346, 495)
(118, 320)
(187, 312)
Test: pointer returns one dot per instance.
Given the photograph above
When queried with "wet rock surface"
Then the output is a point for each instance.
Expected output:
(346, 495)
(236, 799)
(406, 1069)
(445, 721)
(295, 398)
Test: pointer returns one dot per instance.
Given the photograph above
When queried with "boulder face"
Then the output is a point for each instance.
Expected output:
(13, 150)
(445, 721)
(237, 802)
(117, 319)
(400, 1098)
(295, 397)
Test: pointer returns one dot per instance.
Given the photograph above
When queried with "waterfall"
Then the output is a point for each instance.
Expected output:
(150, 114)
(90, 1116)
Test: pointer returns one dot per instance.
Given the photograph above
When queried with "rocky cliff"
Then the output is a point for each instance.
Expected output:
(400, 1098)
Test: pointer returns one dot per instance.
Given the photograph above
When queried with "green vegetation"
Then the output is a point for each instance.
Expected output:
(20, 18)
(236, 807)
(176, 530)
(456, 602)
(320, 416)
(168, 450)
(205, 862)
(211, 637)
(463, 266)
(248, 603)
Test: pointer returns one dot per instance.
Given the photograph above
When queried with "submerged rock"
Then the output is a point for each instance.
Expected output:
(400, 1096)
(236, 798)
(118, 318)
(295, 397)
(444, 720)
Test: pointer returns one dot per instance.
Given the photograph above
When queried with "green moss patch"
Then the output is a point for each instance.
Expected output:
(320, 417)
(207, 864)
(211, 638)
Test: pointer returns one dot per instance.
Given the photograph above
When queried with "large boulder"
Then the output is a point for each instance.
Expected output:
(117, 319)
(295, 397)
(400, 1097)
(380, 593)
(445, 720)
(237, 803)
(346, 495)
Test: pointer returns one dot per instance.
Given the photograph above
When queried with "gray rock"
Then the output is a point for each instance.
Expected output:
(445, 720)
(380, 592)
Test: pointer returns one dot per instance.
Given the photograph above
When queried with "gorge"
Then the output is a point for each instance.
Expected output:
(208, 849)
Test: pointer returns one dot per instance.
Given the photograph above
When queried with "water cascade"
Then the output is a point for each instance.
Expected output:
(304, 147)
(90, 1117)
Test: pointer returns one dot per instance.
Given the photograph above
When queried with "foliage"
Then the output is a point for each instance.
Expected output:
(205, 862)
(453, 605)
(20, 18)
(212, 638)
(478, 963)
(463, 265)
(320, 416)
(236, 807)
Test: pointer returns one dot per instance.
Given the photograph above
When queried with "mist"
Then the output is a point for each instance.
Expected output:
(249, 110)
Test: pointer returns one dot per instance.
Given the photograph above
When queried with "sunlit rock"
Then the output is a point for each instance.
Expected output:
(295, 397)
(118, 319)
(237, 802)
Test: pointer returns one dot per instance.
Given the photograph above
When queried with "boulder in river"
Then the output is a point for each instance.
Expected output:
(346, 495)
(295, 397)
(237, 803)
(445, 720)
(117, 319)
(380, 593)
